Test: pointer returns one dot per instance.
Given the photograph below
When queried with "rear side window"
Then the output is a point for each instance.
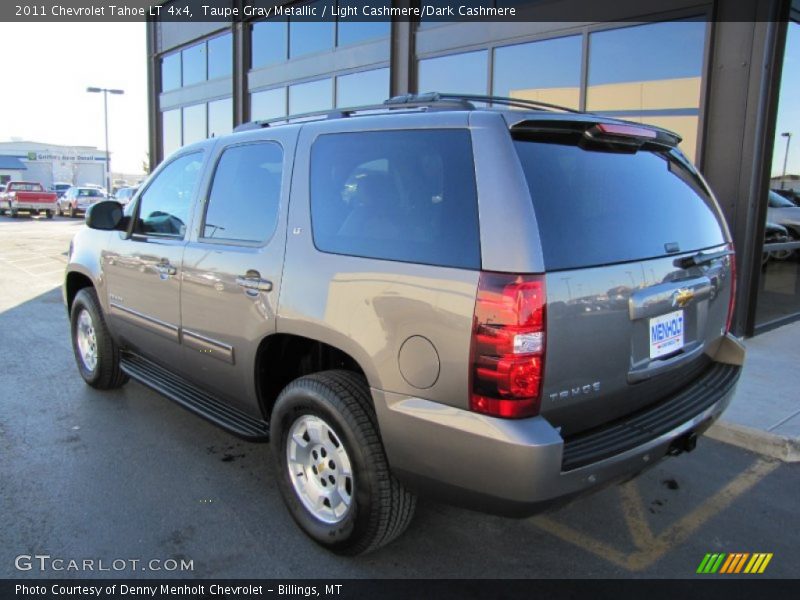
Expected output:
(598, 207)
(396, 195)
(244, 199)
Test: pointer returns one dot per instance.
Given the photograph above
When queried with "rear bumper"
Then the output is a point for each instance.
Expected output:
(33, 205)
(520, 467)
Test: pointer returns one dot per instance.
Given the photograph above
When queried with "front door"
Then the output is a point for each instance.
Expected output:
(143, 270)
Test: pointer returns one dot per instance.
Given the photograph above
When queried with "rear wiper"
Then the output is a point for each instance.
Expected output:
(701, 259)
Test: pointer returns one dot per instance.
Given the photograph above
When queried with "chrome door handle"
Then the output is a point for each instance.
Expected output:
(254, 283)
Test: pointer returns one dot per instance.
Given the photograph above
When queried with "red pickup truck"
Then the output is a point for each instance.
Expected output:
(28, 197)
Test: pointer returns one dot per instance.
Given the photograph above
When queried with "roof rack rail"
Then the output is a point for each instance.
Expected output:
(431, 97)
(426, 101)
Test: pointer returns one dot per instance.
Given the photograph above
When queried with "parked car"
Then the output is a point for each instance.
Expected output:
(791, 195)
(60, 188)
(77, 200)
(414, 298)
(775, 234)
(782, 211)
(124, 195)
(27, 196)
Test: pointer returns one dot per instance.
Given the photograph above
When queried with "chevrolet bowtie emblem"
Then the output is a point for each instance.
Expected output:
(682, 297)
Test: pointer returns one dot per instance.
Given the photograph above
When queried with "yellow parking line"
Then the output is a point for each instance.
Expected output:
(633, 509)
(652, 549)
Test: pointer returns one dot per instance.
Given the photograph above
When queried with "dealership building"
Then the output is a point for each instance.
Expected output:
(710, 71)
(51, 163)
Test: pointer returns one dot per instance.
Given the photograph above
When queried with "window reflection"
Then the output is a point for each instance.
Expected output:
(354, 32)
(546, 71)
(309, 37)
(269, 42)
(650, 74)
(220, 117)
(310, 97)
(779, 283)
(171, 72)
(193, 60)
(462, 73)
(365, 87)
(268, 104)
(220, 56)
(171, 130)
(194, 123)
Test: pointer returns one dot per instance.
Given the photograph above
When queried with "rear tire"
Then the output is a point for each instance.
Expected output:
(328, 454)
(96, 353)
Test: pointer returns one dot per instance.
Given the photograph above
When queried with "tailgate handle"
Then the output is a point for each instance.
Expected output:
(657, 299)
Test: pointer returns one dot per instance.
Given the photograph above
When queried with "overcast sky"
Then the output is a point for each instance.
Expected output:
(46, 68)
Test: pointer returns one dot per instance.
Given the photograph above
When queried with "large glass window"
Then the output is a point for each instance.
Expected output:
(194, 123)
(269, 104)
(311, 96)
(779, 284)
(171, 130)
(245, 196)
(354, 32)
(220, 117)
(269, 42)
(650, 74)
(193, 61)
(309, 37)
(396, 195)
(165, 205)
(171, 72)
(220, 56)
(461, 73)
(365, 87)
(546, 71)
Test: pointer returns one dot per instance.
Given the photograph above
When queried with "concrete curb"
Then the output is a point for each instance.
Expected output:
(777, 446)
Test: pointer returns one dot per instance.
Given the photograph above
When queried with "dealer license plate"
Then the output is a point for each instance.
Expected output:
(666, 334)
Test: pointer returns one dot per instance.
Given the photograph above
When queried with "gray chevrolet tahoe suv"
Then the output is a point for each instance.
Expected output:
(502, 308)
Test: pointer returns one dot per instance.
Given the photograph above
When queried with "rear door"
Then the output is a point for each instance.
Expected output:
(232, 266)
(638, 272)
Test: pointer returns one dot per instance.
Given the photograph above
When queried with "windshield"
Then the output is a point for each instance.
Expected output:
(599, 207)
(778, 201)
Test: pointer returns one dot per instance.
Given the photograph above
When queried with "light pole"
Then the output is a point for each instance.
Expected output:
(788, 136)
(106, 92)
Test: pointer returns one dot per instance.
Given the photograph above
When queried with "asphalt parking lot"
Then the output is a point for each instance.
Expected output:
(129, 475)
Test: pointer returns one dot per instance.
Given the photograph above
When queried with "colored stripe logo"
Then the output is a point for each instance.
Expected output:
(735, 562)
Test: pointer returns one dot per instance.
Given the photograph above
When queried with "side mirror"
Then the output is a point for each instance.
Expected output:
(106, 215)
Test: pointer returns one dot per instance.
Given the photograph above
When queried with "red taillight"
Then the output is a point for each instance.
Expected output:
(508, 340)
(732, 301)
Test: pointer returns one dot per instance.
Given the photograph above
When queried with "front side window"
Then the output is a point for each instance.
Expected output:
(396, 195)
(245, 196)
(165, 206)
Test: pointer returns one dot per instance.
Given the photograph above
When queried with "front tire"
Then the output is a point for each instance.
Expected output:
(71, 211)
(95, 351)
(331, 466)
(48, 214)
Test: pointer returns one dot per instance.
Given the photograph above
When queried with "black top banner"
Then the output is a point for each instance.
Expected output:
(381, 10)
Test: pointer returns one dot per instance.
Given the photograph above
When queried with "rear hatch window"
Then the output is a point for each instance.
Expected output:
(599, 207)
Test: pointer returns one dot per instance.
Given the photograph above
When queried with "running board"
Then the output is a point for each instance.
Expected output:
(194, 399)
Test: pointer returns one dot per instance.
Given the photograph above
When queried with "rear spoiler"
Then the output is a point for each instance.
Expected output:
(617, 134)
